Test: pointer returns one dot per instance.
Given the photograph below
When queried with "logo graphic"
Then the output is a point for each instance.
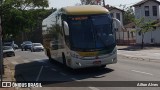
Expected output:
(6, 84)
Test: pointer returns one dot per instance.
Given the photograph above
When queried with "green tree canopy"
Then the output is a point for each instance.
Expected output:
(143, 26)
(128, 15)
(22, 15)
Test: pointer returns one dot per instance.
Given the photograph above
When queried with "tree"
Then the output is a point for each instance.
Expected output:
(91, 2)
(21, 15)
(143, 27)
(128, 15)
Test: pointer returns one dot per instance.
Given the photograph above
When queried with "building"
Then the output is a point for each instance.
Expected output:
(150, 10)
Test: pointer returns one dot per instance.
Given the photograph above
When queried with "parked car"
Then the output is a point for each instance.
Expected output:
(37, 47)
(8, 51)
(26, 45)
(8, 43)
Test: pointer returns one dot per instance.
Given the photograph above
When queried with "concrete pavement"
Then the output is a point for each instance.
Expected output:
(8, 74)
(135, 52)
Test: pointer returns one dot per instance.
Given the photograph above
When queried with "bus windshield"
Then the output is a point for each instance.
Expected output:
(91, 32)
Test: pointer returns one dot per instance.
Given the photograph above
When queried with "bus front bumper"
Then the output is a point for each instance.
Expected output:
(82, 63)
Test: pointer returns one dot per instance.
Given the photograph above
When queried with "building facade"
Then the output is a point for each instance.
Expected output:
(150, 11)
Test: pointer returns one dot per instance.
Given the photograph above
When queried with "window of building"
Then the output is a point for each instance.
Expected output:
(154, 8)
(118, 16)
(146, 8)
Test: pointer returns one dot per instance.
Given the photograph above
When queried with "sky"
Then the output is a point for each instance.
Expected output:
(63, 3)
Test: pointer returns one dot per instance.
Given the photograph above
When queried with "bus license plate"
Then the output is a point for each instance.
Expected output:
(97, 62)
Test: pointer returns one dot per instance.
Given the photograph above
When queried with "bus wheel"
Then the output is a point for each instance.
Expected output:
(64, 59)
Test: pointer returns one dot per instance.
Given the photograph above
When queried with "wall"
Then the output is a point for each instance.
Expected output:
(139, 13)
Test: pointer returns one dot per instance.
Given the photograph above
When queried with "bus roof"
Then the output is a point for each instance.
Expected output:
(84, 10)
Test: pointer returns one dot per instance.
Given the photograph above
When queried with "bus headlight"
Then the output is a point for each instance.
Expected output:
(75, 55)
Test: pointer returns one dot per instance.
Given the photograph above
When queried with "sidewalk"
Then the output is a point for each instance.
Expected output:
(8, 74)
(135, 52)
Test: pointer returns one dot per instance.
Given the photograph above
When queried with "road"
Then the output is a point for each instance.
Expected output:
(34, 66)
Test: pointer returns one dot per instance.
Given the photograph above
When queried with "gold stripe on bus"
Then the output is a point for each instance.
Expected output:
(87, 54)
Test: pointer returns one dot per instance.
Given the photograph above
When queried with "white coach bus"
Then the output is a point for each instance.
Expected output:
(81, 36)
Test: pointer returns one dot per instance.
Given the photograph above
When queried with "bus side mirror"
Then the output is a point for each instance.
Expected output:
(120, 26)
(66, 28)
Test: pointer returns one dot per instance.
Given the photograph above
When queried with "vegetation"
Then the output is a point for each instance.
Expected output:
(128, 15)
(22, 16)
(144, 27)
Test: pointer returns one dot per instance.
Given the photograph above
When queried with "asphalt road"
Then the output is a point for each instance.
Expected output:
(34, 66)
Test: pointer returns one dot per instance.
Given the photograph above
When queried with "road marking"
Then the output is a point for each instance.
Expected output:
(39, 73)
(63, 74)
(93, 88)
(53, 69)
(142, 72)
(14, 62)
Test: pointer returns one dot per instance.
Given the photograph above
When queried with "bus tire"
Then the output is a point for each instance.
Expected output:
(64, 59)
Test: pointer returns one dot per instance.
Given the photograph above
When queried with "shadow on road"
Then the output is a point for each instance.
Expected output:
(53, 73)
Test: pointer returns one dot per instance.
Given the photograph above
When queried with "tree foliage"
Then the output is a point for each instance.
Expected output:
(22, 15)
(144, 27)
(91, 2)
(128, 15)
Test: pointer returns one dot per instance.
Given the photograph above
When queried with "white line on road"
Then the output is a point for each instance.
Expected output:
(63, 74)
(14, 62)
(142, 72)
(39, 73)
(53, 69)
(93, 88)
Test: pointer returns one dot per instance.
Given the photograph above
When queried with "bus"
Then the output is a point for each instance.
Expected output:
(81, 36)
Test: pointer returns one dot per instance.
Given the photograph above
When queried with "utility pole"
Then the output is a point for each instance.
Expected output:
(1, 49)
(104, 3)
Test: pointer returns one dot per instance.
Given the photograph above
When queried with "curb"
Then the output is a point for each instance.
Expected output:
(141, 59)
